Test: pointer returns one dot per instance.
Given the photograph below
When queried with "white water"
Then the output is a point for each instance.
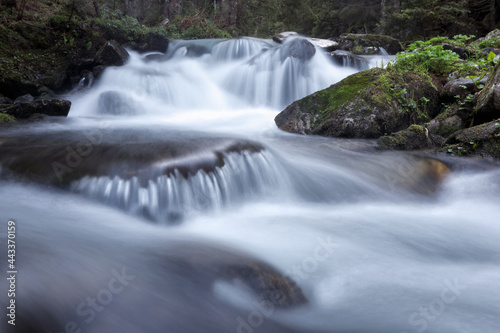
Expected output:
(394, 260)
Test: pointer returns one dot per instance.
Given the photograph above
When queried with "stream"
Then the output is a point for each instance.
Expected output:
(169, 175)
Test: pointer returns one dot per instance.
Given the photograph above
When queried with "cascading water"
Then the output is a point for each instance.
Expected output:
(373, 240)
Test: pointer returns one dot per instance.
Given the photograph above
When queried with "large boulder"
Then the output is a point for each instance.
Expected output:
(299, 48)
(111, 54)
(49, 107)
(481, 140)
(361, 43)
(368, 104)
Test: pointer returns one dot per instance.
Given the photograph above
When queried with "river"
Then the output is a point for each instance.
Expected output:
(171, 167)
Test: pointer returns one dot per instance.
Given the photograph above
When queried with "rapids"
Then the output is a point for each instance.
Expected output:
(179, 166)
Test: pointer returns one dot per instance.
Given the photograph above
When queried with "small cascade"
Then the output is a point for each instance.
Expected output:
(240, 48)
(221, 74)
(349, 60)
(383, 51)
(170, 198)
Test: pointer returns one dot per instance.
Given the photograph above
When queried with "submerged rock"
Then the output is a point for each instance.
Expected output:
(299, 48)
(60, 157)
(368, 104)
(347, 59)
(117, 104)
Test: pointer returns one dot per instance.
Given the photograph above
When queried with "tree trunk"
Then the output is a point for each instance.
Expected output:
(492, 14)
(397, 6)
(383, 15)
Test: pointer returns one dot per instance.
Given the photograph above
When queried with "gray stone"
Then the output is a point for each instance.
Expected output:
(111, 54)
(24, 99)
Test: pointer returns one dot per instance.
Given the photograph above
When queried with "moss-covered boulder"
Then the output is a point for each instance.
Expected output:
(365, 43)
(368, 104)
(448, 122)
(481, 140)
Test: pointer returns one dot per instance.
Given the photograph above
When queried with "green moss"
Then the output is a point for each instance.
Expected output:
(6, 119)
(416, 128)
(329, 100)
(358, 49)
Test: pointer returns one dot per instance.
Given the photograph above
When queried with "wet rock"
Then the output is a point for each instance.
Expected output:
(483, 140)
(426, 175)
(195, 51)
(60, 157)
(98, 70)
(24, 99)
(362, 106)
(150, 43)
(414, 137)
(299, 48)
(50, 107)
(111, 54)
(353, 42)
(347, 59)
(281, 37)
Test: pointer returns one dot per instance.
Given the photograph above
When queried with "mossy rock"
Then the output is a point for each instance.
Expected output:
(483, 140)
(6, 119)
(352, 41)
(368, 104)
(448, 122)
(414, 137)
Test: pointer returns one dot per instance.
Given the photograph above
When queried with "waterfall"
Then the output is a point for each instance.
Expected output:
(176, 205)
(213, 74)
(168, 198)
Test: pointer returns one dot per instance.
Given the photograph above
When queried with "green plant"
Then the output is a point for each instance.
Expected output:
(492, 42)
(428, 58)
(6, 119)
